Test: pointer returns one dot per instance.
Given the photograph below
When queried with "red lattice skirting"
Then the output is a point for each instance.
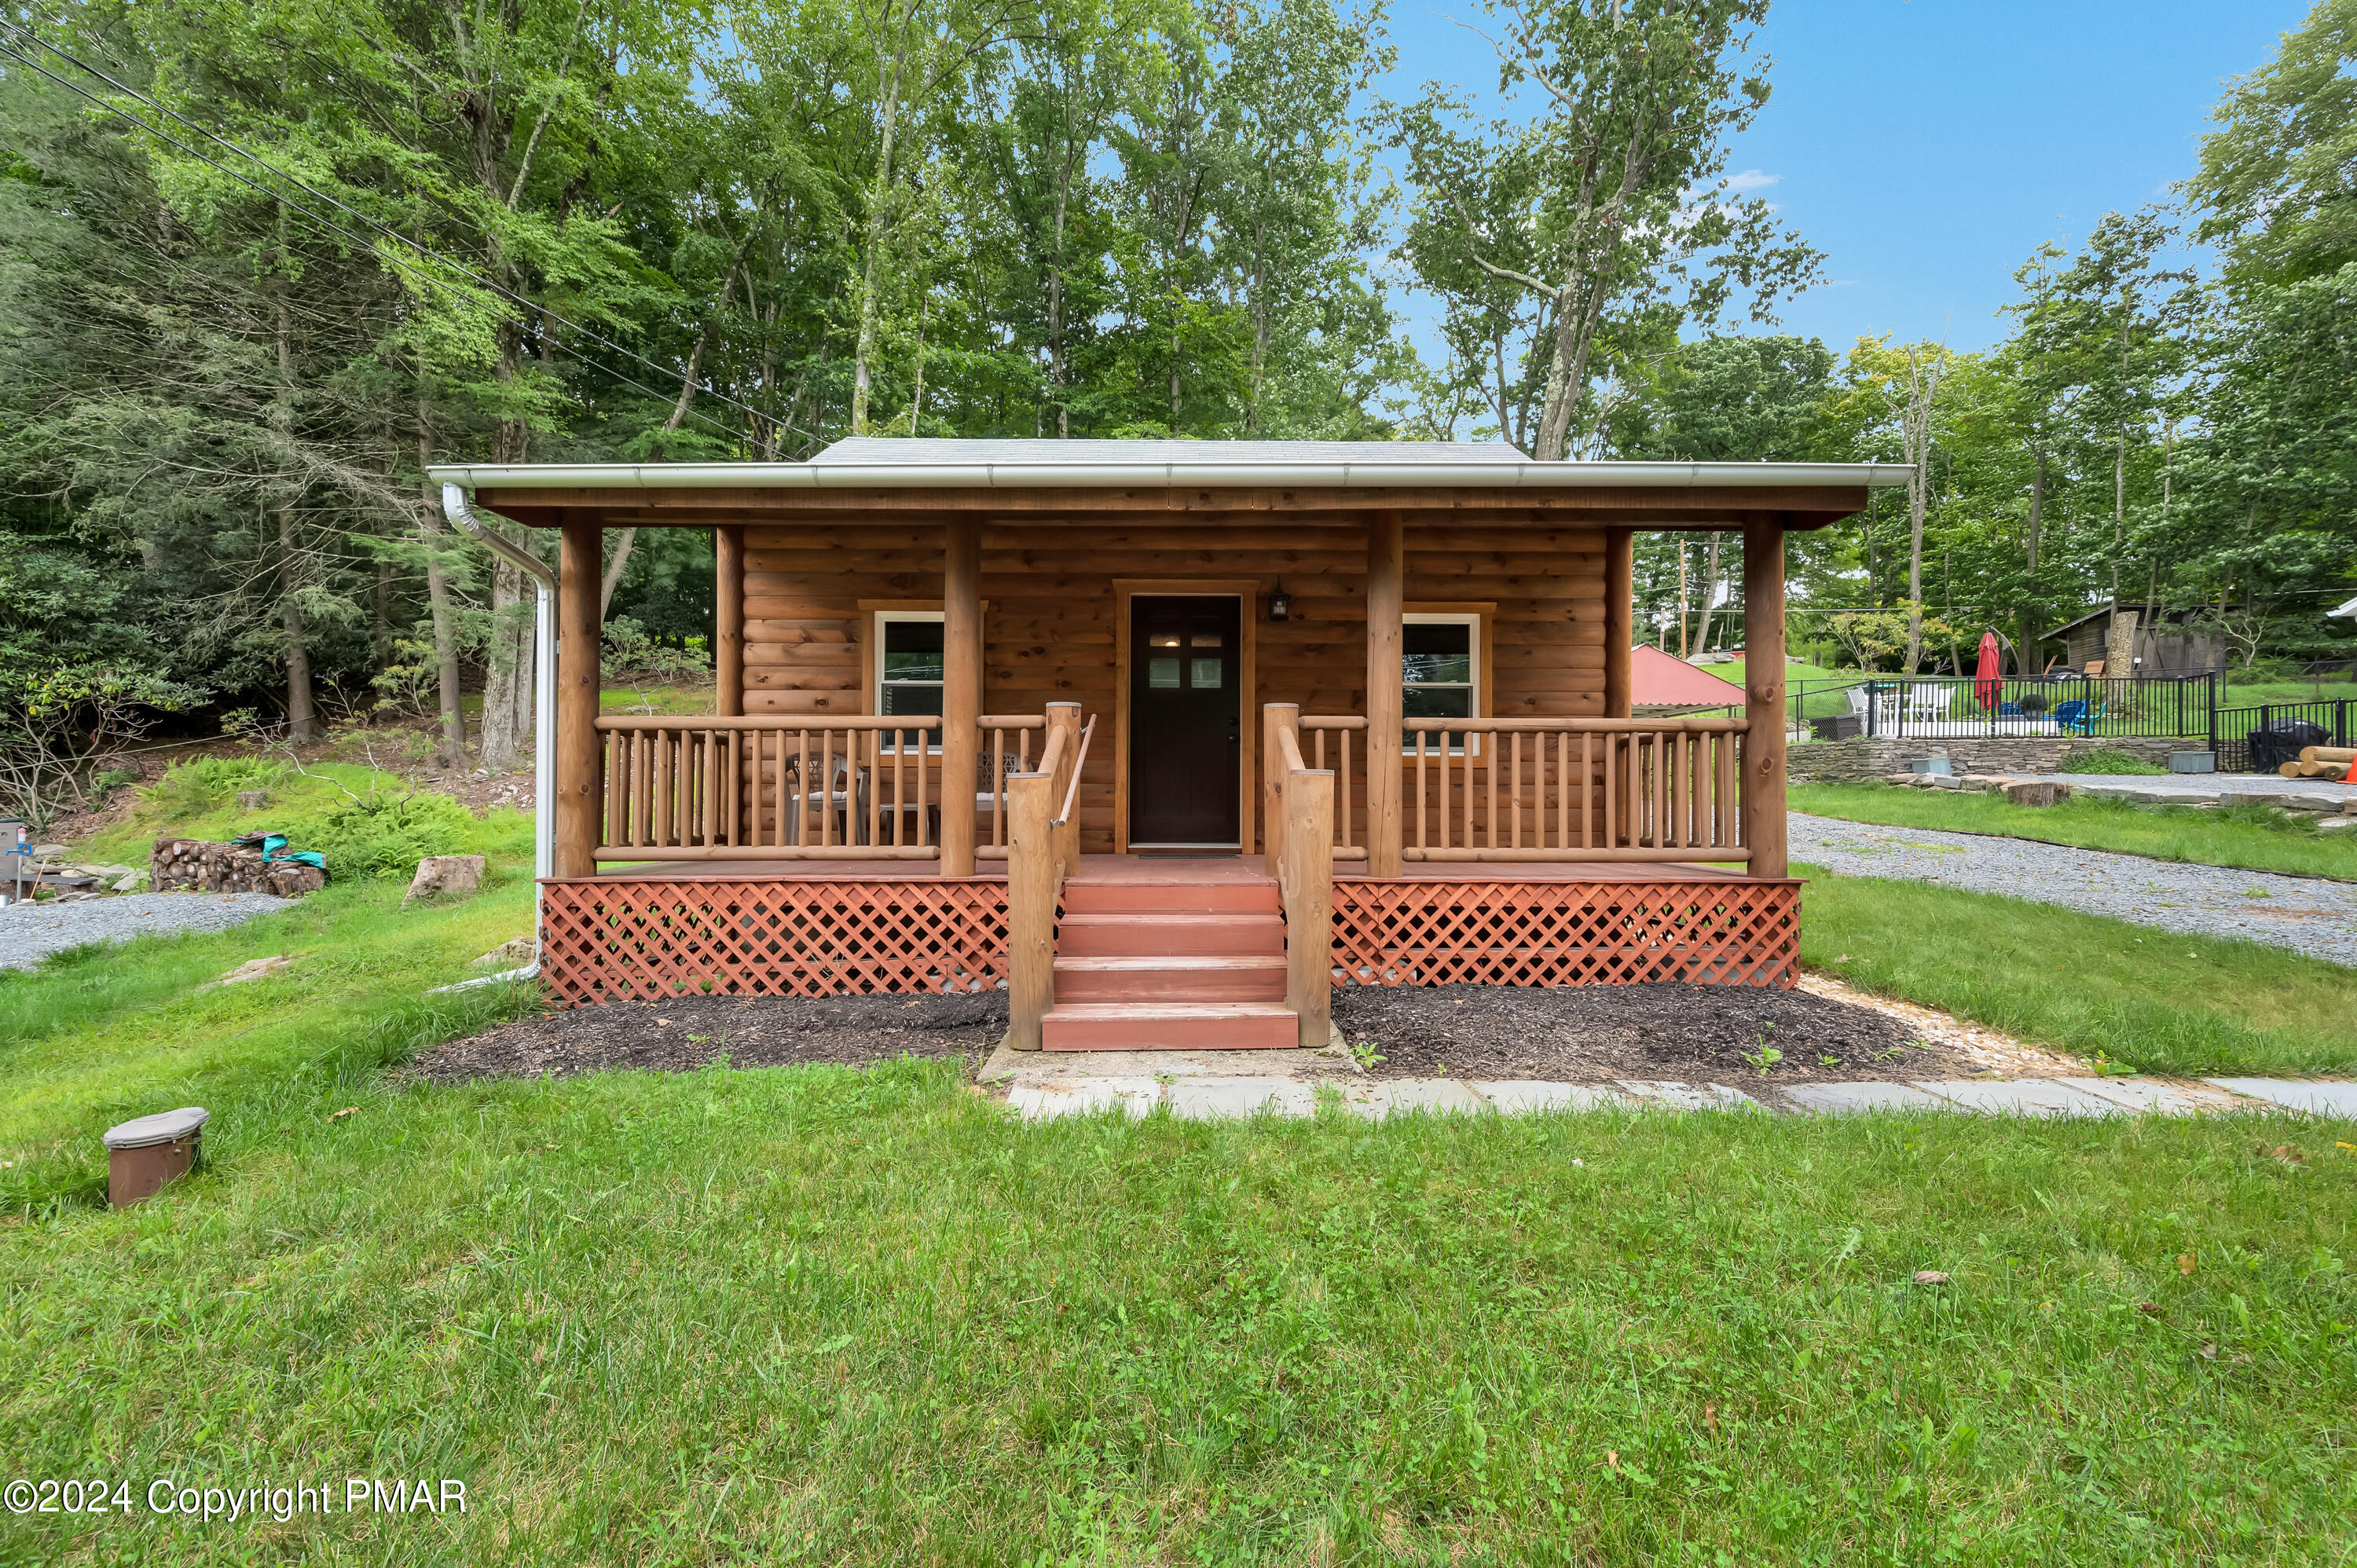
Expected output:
(1565, 933)
(606, 938)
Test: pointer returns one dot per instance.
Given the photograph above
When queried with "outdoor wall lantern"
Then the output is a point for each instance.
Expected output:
(1280, 604)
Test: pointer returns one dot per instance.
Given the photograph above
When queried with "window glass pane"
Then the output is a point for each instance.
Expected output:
(1206, 640)
(1437, 652)
(1438, 702)
(912, 650)
(911, 698)
(1162, 672)
(1163, 640)
(1206, 675)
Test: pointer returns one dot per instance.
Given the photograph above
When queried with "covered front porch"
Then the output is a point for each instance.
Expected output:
(976, 721)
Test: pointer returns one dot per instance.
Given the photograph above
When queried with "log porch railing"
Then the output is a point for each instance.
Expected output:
(1044, 849)
(728, 788)
(1637, 789)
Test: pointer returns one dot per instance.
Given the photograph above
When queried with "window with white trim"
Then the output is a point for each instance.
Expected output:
(1440, 657)
(908, 646)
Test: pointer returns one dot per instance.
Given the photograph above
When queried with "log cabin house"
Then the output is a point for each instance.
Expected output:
(1167, 738)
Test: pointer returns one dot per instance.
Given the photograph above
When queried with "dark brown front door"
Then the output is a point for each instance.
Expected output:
(1185, 707)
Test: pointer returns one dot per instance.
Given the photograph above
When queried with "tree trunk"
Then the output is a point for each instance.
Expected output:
(437, 599)
(2027, 660)
(612, 576)
(1709, 593)
(302, 722)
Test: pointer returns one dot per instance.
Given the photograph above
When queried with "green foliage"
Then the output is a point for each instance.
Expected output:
(383, 833)
(630, 652)
(2112, 759)
(205, 784)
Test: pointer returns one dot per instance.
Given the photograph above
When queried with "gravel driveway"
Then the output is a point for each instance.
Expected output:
(29, 932)
(2305, 914)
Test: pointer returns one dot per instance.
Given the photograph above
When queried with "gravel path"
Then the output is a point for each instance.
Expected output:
(29, 932)
(2307, 915)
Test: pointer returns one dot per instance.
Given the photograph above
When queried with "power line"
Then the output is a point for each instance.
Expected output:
(395, 234)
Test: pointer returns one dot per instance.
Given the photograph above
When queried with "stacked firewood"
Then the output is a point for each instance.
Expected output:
(200, 867)
(2320, 762)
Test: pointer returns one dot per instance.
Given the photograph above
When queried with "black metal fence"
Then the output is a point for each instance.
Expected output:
(2255, 739)
(1949, 707)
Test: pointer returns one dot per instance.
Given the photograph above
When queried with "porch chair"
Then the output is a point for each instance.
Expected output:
(2077, 717)
(985, 795)
(845, 795)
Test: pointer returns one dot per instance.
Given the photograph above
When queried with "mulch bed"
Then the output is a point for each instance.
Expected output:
(688, 1032)
(1594, 1033)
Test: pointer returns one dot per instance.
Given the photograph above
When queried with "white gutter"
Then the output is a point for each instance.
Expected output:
(1166, 475)
(544, 714)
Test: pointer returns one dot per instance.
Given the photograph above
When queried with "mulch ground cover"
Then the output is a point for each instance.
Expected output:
(1582, 1035)
(689, 1032)
(1592, 1034)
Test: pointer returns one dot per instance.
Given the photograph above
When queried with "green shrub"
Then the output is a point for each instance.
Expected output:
(384, 835)
(2110, 759)
(205, 784)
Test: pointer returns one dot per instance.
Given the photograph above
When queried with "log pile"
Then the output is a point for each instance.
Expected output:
(2320, 762)
(195, 866)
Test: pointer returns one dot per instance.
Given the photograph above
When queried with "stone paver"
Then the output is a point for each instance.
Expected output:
(1407, 1096)
(1218, 1098)
(2308, 915)
(1839, 1098)
(1669, 1093)
(1520, 1097)
(2022, 1097)
(1046, 1098)
(1069, 1088)
(2293, 1094)
(2141, 1094)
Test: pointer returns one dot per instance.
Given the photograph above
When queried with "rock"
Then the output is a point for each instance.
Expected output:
(2311, 803)
(1930, 1277)
(129, 883)
(515, 952)
(2041, 792)
(440, 874)
(255, 969)
(49, 852)
(1899, 778)
(2334, 824)
(253, 800)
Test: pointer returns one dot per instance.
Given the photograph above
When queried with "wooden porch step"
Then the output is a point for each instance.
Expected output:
(1171, 1027)
(1168, 978)
(1257, 895)
(1233, 933)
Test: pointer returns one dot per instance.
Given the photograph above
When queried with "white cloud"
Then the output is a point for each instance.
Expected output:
(1751, 180)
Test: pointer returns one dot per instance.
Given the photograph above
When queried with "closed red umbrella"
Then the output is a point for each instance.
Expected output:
(1986, 685)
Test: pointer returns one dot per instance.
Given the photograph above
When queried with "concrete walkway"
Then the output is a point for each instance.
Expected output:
(1205, 1086)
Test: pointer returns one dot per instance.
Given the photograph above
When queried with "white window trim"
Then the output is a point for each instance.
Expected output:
(879, 620)
(1471, 620)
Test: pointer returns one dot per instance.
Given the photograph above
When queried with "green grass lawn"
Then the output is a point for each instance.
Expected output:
(2153, 1000)
(835, 1317)
(2250, 838)
(814, 1315)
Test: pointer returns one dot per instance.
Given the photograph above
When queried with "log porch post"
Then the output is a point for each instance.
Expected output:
(729, 621)
(1620, 618)
(1386, 598)
(574, 835)
(1763, 695)
(961, 691)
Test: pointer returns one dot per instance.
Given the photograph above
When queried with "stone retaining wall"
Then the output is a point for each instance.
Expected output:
(1839, 761)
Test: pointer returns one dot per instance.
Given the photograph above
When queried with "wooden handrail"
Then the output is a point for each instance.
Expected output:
(1072, 790)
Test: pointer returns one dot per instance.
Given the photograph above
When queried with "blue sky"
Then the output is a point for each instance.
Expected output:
(1929, 145)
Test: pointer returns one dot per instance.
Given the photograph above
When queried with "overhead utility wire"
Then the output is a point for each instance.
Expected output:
(431, 254)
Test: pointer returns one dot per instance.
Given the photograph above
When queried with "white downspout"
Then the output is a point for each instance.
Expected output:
(544, 718)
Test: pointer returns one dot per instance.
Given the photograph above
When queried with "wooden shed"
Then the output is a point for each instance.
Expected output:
(1283, 715)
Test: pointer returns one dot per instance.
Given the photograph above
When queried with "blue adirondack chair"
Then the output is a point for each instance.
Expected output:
(2078, 717)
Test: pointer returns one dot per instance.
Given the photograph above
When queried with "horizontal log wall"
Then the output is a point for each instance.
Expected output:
(1049, 631)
